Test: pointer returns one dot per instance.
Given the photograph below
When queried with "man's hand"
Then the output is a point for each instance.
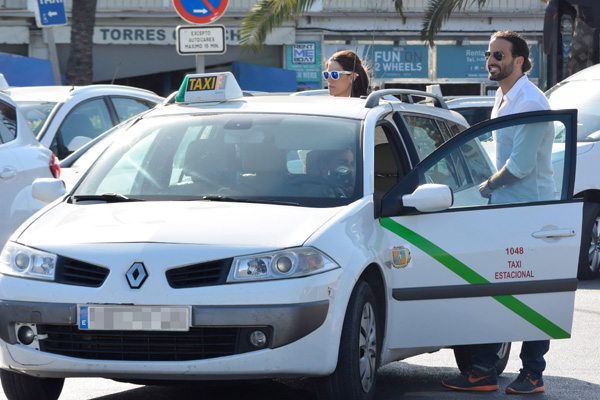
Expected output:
(484, 190)
(499, 179)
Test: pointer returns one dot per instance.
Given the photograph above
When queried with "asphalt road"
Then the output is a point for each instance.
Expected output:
(572, 373)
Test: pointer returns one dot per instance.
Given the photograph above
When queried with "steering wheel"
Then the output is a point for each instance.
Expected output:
(309, 186)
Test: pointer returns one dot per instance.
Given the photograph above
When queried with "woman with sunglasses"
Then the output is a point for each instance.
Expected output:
(346, 75)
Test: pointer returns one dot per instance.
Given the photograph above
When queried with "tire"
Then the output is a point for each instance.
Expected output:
(462, 355)
(360, 348)
(24, 387)
(589, 254)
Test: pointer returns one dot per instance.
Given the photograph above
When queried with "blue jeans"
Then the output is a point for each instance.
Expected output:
(485, 356)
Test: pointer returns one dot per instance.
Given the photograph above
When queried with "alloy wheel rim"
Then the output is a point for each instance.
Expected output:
(594, 251)
(367, 347)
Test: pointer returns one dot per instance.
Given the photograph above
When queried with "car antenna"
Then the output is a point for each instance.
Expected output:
(371, 72)
(115, 74)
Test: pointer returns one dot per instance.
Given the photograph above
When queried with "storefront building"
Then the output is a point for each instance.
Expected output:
(135, 43)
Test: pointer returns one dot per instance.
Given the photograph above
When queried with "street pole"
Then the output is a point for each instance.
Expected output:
(199, 64)
(49, 32)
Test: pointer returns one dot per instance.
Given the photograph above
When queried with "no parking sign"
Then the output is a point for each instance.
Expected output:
(200, 11)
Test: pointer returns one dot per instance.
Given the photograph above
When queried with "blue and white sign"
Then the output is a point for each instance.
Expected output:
(390, 62)
(458, 61)
(50, 13)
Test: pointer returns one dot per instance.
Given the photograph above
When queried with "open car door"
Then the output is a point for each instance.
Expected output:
(478, 272)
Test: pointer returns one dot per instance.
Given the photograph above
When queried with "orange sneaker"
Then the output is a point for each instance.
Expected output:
(474, 380)
(526, 384)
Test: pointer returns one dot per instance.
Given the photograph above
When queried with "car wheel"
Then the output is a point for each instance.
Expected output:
(24, 387)
(589, 255)
(462, 355)
(355, 375)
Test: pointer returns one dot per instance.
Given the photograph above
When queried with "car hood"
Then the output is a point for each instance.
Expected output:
(257, 226)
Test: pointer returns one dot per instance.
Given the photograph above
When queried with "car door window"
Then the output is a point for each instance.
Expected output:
(466, 166)
(88, 119)
(426, 134)
(456, 128)
(127, 107)
(387, 170)
(8, 123)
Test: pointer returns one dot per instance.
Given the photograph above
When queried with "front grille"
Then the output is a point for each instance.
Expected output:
(195, 344)
(204, 274)
(79, 273)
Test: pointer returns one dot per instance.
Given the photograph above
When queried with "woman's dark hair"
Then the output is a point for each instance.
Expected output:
(350, 61)
(519, 47)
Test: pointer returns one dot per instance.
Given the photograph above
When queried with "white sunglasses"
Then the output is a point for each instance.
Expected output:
(335, 75)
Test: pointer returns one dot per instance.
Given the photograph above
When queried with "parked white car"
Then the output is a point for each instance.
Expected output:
(64, 118)
(474, 108)
(231, 237)
(22, 160)
(582, 91)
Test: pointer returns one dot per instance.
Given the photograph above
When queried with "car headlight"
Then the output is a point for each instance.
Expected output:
(26, 262)
(291, 263)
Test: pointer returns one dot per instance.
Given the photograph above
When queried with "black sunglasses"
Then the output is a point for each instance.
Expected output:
(498, 55)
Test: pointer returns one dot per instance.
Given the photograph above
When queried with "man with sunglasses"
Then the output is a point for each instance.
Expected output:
(524, 173)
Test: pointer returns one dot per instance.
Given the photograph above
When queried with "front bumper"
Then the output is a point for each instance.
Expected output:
(288, 325)
(290, 322)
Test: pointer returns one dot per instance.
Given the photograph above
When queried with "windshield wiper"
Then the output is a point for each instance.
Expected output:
(246, 200)
(107, 197)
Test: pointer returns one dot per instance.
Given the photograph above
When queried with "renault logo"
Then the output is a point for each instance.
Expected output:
(136, 275)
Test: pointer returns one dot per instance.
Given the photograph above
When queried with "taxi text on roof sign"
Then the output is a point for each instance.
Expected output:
(208, 87)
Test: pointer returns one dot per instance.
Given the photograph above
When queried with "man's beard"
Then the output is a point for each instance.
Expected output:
(501, 74)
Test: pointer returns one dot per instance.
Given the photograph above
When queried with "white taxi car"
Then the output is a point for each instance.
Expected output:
(223, 237)
(22, 160)
(64, 118)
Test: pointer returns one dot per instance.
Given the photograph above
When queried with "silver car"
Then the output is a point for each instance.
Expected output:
(22, 160)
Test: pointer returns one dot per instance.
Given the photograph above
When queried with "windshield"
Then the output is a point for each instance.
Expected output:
(585, 96)
(304, 160)
(36, 113)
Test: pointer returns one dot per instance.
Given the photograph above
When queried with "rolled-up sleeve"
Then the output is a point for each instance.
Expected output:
(526, 143)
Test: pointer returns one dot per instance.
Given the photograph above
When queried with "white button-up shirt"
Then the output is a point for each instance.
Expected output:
(525, 150)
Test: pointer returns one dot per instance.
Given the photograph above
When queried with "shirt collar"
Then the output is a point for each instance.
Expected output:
(514, 91)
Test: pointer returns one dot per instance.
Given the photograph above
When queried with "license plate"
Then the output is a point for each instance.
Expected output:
(134, 318)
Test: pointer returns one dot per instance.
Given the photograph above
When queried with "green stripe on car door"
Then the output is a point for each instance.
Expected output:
(472, 277)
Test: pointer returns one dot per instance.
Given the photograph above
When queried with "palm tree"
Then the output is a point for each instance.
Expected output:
(269, 14)
(79, 64)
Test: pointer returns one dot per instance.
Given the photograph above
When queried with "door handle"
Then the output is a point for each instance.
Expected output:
(8, 172)
(553, 233)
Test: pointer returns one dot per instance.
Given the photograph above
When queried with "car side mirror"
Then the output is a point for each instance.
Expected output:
(430, 197)
(46, 190)
(77, 142)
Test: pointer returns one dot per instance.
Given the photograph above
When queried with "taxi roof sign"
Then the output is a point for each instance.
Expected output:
(220, 86)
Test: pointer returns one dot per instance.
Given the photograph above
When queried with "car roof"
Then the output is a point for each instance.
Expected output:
(344, 107)
(589, 73)
(7, 99)
(62, 93)
(469, 101)
(326, 106)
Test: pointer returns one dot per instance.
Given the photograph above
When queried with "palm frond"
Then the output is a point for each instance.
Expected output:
(267, 15)
(439, 11)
